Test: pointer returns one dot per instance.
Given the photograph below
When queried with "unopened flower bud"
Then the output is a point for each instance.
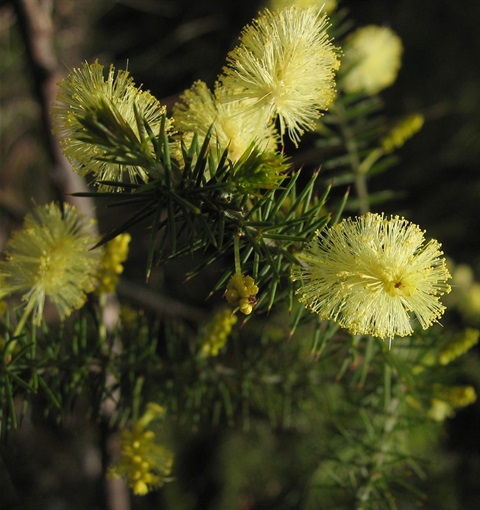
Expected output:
(241, 291)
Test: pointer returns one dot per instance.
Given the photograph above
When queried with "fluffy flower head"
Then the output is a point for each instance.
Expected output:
(235, 124)
(51, 257)
(324, 5)
(86, 91)
(372, 59)
(285, 63)
(371, 273)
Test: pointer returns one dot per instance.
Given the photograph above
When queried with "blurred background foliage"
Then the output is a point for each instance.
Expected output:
(168, 44)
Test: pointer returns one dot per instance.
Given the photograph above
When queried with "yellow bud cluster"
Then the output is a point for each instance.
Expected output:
(449, 399)
(401, 132)
(216, 332)
(134, 445)
(114, 254)
(241, 291)
(458, 346)
(459, 396)
(144, 462)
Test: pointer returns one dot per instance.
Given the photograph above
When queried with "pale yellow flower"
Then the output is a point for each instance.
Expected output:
(235, 124)
(371, 274)
(86, 91)
(372, 59)
(51, 257)
(285, 63)
(323, 5)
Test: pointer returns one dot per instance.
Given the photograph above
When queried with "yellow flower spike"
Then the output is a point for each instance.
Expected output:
(401, 132)
(216, 332)
(144, 461)
(241, 292)
(459, 396)
(51, 257)
(370, 273)
(285, 64)
(446, 400)
(115, 252)
(458, 346)
(372, 59)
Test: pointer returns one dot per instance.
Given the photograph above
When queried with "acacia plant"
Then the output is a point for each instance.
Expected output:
(315, 370)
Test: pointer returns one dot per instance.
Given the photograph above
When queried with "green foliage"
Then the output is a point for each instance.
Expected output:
(296, 412)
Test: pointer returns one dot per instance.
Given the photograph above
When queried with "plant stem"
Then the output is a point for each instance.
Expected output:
(18, 330)
(391, 406)
(352, 150)
(236, 252)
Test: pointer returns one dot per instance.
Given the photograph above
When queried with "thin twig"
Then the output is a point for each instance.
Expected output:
(151, 300)
(37, 30)
(352, 150)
